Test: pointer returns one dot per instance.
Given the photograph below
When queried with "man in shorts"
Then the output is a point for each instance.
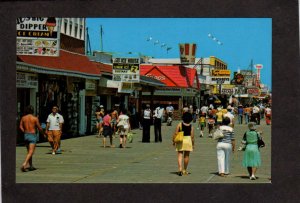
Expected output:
(28, 124)
(54, 129)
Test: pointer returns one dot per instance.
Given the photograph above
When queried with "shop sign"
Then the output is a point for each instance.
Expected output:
(38, 36)
(239, 78)
(253, 91)
(126, 69)
(220, 73)
(27, 80)
(126, 88)
(187, 53)
(227, 91)
(113, 84)
(90, 84)
(220, 80)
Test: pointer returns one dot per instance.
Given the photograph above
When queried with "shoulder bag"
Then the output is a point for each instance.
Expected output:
(179, 136)
(218, 134)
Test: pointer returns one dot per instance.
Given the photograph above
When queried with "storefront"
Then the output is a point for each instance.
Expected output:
(69, 81)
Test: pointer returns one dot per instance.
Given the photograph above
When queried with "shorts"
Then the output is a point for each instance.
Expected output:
(123, 131)
(202, 124)
(30, 138)
(107, 131)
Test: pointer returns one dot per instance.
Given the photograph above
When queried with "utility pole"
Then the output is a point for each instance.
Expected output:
(101, 38)
(88, 43)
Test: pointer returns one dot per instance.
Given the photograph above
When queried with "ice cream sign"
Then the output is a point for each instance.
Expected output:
(37, 27)
(38, 36)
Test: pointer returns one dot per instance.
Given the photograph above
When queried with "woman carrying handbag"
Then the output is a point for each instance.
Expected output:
(251, 158)
(187, 145)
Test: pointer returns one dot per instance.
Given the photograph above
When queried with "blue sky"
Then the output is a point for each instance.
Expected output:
(242, 39)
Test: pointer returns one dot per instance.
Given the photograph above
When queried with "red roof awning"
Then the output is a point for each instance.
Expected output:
(172, 76)
(66, 61)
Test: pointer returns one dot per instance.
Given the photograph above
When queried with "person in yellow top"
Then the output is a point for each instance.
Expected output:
(219, 116)
(202, 123)
(247, 111)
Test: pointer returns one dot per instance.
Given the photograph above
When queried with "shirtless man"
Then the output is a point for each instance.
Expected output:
(28, 125)
(114, 118)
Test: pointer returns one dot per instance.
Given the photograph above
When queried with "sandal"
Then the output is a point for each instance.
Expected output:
(23, 169)
(186, 172)
(31, 168)
(179, 173)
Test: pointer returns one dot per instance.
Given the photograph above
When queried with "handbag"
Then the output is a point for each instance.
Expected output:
(260, 142)
(130, 137)
(218, 134)
(179, 136)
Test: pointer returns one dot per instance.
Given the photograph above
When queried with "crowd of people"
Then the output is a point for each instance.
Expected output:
(116, 122)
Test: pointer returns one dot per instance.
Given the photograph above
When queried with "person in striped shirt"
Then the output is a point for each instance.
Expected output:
(224, 147)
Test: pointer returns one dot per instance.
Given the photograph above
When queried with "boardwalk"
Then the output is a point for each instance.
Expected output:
(84, 160)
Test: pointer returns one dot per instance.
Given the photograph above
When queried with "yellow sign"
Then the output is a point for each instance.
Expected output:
(220, 72)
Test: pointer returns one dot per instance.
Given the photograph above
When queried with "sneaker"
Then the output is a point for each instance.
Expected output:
(252, 177)
(58, 151)
(53, 153)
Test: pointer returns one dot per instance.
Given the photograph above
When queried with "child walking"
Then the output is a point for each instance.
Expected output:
(211, 123)
(202, 123)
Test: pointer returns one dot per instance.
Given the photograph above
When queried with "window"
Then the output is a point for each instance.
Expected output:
(66, 25)
(76, 31)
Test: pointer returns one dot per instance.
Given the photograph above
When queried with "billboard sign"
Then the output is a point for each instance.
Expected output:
(187, 53)
(38, 36)
(217, 72)
(126, 69)
(253, 91)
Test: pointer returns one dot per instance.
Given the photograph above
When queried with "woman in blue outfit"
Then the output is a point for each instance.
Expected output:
(251, 158)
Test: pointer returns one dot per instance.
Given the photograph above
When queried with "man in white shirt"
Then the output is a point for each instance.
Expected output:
(54, 129)
(204, 110)
(157, 114)
(256, 115)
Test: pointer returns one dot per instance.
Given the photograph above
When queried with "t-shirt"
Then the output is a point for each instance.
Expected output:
(106, 120)
(219, 116)
(124, 119)
(229, 115)
(54, 121)
(158, 112)
(204, 109)
(268, 110)
(228, 134)
(202, 119)
(147, 113)
(255, 109)
(169, 109)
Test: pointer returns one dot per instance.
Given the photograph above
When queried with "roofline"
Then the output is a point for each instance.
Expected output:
(42, 69)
